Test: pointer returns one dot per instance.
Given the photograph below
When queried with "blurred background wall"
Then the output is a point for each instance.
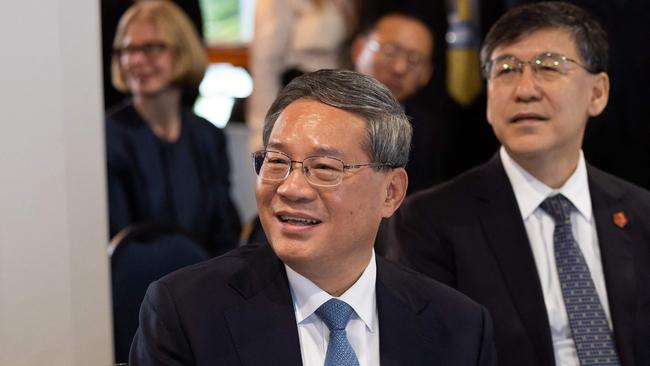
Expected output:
(54, 293)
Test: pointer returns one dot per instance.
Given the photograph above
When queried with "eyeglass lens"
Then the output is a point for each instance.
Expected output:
(319, 170)
(148, 49)
(548, 66)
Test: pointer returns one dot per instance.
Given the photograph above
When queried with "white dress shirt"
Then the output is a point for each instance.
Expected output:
(362, 329)
(530, 193)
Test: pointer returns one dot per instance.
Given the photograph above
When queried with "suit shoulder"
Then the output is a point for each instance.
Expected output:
(201, 125)
(455, 196)
(619, 186)
(415, 287)
(214, 273)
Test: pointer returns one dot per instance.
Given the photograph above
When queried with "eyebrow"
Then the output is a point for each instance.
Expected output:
(318, 151)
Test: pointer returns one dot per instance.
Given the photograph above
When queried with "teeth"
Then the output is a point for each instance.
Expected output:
(299, 220)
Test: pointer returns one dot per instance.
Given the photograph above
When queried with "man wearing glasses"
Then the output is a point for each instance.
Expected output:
(336, 143)
(558, 251)
(397, 49)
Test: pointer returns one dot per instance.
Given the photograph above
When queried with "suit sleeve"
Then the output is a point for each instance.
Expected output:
(119, 208)
(159, 339)
(415, 242)
(225, 225)
(487, 353)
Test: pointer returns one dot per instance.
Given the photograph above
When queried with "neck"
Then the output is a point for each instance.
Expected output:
(161, 112)
(553, 171)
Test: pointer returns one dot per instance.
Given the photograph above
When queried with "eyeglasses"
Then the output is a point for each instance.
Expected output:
(149, 49)
(321, 171)
(546, 67)
(391, 51)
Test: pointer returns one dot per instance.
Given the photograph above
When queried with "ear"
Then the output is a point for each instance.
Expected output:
(599, 94)
(396, 184)
(425, 74)
(357, 47)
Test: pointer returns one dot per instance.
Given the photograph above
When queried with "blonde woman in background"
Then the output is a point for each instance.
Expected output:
(166, 165)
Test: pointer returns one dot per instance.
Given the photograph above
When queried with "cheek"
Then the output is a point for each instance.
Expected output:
(263, 195)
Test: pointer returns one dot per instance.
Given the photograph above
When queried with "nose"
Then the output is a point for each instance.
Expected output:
(527, 88)
(296, 187)
(399, 64)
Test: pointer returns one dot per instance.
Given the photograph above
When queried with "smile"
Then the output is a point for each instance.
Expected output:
(298, 220)
(531, 117)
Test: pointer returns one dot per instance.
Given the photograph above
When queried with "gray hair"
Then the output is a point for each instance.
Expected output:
(388, 129)
(589, 36)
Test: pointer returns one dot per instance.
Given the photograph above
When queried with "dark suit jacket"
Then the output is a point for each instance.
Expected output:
(185, 183)
(237, 310)
(469, 234)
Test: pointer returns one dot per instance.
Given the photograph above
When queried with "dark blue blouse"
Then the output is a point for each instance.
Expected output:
(184, 183)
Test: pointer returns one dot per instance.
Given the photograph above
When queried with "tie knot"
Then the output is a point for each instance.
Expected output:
(335, 314)
(559, 207)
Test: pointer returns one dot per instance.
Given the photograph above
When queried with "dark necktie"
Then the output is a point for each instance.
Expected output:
(336, 314)
(589, 329)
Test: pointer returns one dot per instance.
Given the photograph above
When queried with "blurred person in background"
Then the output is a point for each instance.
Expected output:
(397, 49)
(293, 37)
(165, 164)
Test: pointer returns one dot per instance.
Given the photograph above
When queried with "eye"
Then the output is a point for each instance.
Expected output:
(274, 160)
(548, 68)
(324, 166)
(504, 69)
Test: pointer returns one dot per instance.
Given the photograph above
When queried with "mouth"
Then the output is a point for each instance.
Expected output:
(528, 117)
(298, 220)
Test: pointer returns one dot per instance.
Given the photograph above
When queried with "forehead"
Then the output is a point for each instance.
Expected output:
(556, 40)
(140, 28)
(308, 127)
(408, 32)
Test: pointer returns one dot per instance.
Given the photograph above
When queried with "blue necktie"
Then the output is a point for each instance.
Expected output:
(335, 314)
(591, 334)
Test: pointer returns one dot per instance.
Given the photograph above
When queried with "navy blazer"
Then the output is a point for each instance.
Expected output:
(237, 310)
(469, 234)
(184, 184)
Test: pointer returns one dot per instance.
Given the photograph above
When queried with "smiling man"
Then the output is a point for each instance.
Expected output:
(336, 143)
(558, 251)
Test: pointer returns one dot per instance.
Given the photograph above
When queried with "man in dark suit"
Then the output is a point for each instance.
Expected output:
(336, 143)
(557, 250)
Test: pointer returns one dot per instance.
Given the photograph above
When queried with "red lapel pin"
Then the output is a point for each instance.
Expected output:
(620, 219)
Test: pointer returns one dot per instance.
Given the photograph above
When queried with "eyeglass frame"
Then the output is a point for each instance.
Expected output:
(532, 63)
(380, 48)
(305, 170)
(148, 49)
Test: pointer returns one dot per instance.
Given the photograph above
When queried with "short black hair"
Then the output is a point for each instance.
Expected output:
(587, 33)
(369, 27)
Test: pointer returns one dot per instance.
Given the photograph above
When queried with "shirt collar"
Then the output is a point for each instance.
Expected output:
(530, 192)
(307, 297)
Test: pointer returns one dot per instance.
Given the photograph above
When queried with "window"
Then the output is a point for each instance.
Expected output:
(227, 28)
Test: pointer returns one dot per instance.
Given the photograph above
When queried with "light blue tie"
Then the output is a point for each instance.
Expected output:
(336, 314)
(591, 334)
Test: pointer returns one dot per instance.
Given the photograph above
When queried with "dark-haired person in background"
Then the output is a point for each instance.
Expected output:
(165, 164)
(557, 250)
(335, 146)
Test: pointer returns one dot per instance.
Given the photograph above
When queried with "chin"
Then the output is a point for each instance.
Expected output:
(290, 251)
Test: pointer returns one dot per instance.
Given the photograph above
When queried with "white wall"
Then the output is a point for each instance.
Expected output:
(54, 282)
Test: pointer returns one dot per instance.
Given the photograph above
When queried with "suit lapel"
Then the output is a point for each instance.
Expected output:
(264, 328)
(616, 255)
(507, 237)
(403, 340)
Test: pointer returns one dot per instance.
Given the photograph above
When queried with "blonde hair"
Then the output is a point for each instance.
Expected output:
(175, 28)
